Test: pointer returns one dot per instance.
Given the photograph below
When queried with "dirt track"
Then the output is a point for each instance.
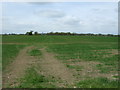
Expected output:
(49, 66)
(17, 68)
(54, 67)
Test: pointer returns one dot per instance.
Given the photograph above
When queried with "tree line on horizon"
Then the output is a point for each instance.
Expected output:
(62, 33)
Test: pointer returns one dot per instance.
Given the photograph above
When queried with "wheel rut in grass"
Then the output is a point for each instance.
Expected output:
(17, 68)
(55, 68)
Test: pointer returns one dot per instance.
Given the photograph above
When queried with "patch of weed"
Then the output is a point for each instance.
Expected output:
(76, 67)
(116, 76)
(35, 52)
(34, 80)
(97, 83)
(104, 68)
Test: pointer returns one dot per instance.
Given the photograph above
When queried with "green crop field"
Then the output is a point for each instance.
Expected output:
(61, 61)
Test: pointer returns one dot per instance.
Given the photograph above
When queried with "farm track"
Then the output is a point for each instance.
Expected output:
(17, 69)
(51, 66)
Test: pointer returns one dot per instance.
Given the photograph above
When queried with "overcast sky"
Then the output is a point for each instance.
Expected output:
(80, 17)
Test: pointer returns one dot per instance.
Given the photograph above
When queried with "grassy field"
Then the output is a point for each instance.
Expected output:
(58, 39)
(92, 60)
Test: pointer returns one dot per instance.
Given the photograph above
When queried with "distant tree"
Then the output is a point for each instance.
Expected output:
(109, 34)
(29, 33)
(36, 33)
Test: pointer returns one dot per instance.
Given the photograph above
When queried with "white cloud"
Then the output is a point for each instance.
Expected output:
(50, 13)
(69, 20)
(39, 3)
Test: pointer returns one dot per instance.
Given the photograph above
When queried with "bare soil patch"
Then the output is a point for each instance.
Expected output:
(89, 70)
(17, 69)
(51, 66)
(110, 52)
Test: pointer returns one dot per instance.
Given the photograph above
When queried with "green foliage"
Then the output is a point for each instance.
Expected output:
(97, 83)
(58, 39)
(36, 33)
(104, 69)
(29, 33)
(84, 51)
(116, 77)
(35, 52)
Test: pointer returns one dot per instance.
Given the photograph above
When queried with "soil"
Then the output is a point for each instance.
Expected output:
(90, 71)
(17, 69)
(51, 66)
